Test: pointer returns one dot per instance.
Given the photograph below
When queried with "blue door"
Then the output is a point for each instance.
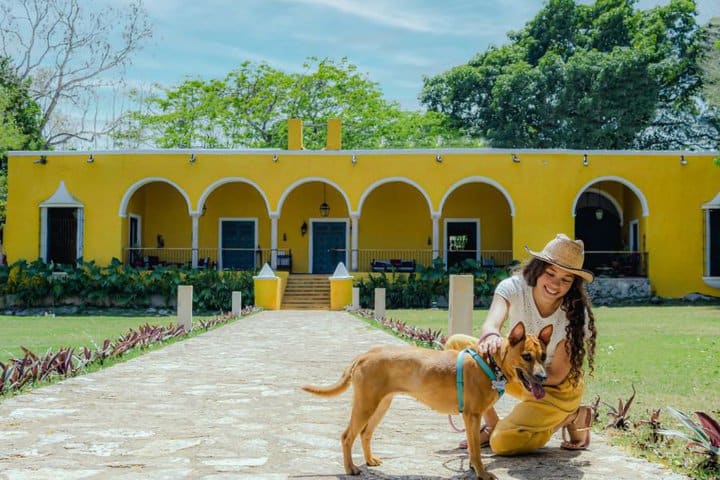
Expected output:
(237, 245)
(328, 246)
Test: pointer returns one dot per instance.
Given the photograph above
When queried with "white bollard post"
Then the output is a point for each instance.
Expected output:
(356, 298)
(460, 307)
(379, 303)
(184, 306)
(236, 303)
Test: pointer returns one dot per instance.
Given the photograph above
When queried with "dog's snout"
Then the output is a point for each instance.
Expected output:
(539, 373)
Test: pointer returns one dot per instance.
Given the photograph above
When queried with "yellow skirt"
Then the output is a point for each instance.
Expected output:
(531, 422)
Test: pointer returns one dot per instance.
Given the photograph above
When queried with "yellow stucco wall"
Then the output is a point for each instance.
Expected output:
(394, 193)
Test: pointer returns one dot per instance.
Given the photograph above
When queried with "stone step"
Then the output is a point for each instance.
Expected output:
(307, 292)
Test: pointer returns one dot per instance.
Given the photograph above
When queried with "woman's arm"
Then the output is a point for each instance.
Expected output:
(490, 336)
(559, 368)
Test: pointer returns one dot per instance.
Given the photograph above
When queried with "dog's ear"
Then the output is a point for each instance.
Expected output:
(545, 334)
(517, 334)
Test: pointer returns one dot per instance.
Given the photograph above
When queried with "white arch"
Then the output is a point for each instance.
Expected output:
(486, 180)
(372, 187)
(303, 181)
(130, 191)
(213, 186)
(613, 178)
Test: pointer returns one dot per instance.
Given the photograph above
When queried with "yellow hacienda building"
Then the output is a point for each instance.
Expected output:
(653, 214)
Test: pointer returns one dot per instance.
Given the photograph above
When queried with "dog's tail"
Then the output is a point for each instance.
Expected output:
(337, 388)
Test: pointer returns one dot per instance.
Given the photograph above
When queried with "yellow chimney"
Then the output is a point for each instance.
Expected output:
(334, 134)
(295, 134)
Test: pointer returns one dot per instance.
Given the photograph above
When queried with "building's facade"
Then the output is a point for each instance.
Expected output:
(640, 213)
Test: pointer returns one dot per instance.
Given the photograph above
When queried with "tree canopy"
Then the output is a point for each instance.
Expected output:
(249, 108)
(20, 115)
(576, 76)
(19, 122)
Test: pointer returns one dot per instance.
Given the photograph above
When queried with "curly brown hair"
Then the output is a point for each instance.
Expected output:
(576, 305)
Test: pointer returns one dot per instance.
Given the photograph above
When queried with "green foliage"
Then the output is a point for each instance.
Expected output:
(576, 76)
(422, 288)
(117, 284)
(250, 106)
(20, 119)
(703, 438)
(20, 115)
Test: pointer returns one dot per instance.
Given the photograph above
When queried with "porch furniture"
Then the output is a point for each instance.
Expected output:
(394, 264)
(284, 261)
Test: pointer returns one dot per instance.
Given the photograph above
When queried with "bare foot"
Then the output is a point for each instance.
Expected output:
(576, 433)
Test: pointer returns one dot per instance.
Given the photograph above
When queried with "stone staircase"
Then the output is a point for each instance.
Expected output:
(307, 292)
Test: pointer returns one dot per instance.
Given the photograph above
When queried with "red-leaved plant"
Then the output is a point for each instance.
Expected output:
(703, 438)
(430, 338)
(619, 417)
(18, 372)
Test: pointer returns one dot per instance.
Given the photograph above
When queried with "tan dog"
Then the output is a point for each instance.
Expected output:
(429, 376)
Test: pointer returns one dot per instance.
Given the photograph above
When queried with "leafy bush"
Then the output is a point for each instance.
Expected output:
(703, 438)
(37, 284)
(421, 288)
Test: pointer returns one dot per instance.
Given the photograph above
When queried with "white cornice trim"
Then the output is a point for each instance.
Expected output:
(321, 153)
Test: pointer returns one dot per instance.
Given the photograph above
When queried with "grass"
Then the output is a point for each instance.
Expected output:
(41, 333)
(670, 354)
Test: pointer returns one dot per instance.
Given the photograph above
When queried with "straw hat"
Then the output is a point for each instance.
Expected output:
(565, 254)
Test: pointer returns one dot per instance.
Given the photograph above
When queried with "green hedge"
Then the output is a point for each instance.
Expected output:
(420, 289)
(35, 283)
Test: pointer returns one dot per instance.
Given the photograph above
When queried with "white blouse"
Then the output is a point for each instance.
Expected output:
(523, 309)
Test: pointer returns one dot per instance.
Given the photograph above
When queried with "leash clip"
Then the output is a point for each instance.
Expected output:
(499, 385)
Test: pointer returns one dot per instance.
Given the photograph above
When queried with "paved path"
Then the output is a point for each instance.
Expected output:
(226, 405)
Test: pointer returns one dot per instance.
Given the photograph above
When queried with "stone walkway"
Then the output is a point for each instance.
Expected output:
(227, 405)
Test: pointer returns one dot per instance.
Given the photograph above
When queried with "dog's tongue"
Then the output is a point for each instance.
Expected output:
(538, 391)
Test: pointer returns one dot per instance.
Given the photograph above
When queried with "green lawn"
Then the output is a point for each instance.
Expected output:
(670, 354)
(42, 333)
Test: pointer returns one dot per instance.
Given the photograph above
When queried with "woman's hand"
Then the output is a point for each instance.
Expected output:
(489, 343)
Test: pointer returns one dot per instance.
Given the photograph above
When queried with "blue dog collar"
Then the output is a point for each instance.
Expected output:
(498, 385)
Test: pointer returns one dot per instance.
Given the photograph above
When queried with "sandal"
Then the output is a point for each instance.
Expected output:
(484, 429)
(584, 427)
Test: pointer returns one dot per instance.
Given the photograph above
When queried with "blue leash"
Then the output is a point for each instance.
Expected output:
(498, 385)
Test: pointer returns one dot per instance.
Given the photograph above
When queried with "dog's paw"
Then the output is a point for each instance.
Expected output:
(374, 462)
(352, 469)
(483, 474)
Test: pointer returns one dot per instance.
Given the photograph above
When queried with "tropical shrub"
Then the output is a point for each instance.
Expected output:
(703, 438)
(419, 289)
(39, 284)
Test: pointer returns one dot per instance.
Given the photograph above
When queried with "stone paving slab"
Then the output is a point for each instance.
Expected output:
(227, 405)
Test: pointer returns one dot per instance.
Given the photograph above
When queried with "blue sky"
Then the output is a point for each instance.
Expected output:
(395, 42)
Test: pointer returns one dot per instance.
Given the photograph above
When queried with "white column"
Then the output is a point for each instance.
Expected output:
(354, 219)
(460, 300)
(379, 303)
(273, 239)
(184, 306)
(195, 237)
(356, 298)
(436, 234)
(236, 303)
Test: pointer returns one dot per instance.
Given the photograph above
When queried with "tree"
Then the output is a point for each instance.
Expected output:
(576, 76)
(19, 123)
(249, 108)
(65, 49)
(710, 63)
